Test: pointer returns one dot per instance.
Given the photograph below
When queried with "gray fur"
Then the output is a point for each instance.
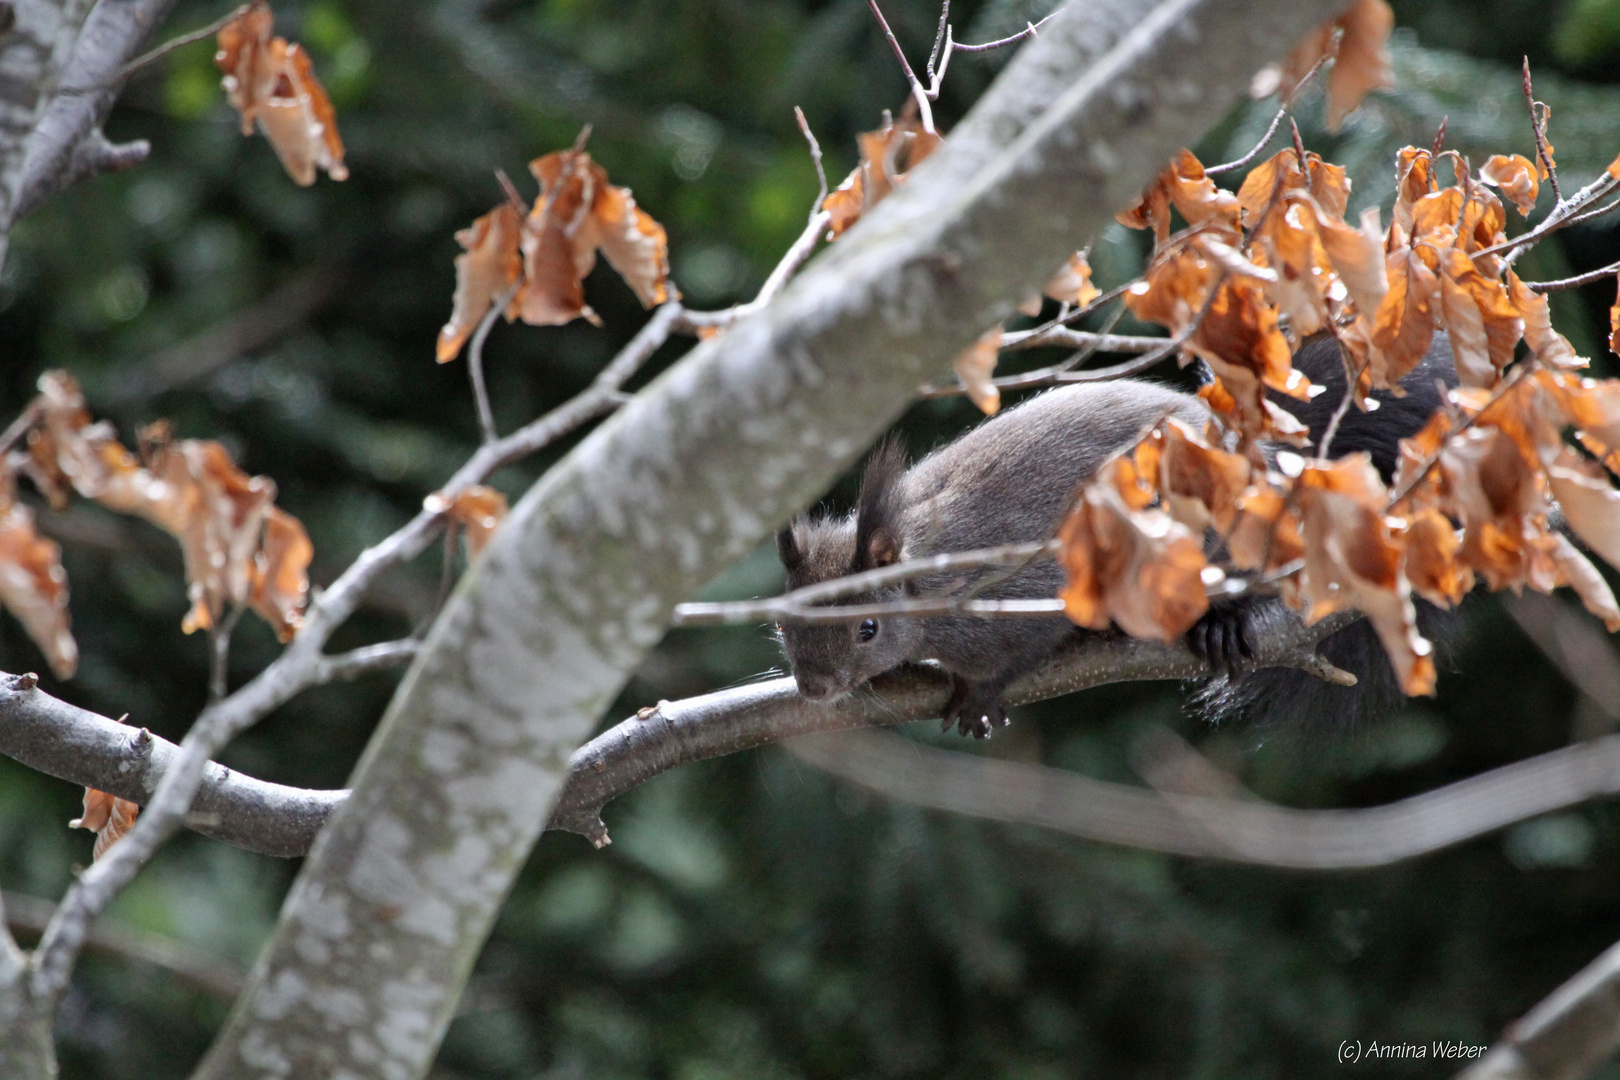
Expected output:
(1009, 480)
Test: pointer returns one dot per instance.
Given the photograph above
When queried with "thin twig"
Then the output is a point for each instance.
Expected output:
(1265, 140)
(1036, 336)
(475, 361)
(925, 112)
(815, 159)
(939, 38)
(1288, 103)
(1573, 282)
(1029, 30)
(224, 980)
(153, 56)
(1599, 212)
(19, 427)
(1541, 141)
(1352, 379)
(219, 642)
(512, 195)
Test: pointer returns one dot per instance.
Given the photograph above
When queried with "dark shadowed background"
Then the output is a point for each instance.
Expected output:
(752, 919)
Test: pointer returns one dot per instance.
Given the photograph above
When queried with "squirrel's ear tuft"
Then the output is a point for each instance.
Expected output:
(787, 547)
(877, 513)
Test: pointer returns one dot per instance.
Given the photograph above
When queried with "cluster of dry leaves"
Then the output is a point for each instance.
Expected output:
(1474, 495)
(241, 551)
(535, 261)
(272, 83)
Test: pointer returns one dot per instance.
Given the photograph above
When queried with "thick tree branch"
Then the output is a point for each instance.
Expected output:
(82, 747)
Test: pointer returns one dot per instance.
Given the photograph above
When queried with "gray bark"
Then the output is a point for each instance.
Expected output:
(32, 56)
(49, 139)
(396, 899)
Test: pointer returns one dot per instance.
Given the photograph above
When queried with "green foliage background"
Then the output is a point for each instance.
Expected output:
(752, 919)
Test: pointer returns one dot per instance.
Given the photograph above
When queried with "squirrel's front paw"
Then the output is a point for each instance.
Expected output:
(973, 710)
(1222, 637)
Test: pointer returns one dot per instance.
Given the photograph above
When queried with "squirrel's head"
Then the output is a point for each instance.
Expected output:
(831, 659)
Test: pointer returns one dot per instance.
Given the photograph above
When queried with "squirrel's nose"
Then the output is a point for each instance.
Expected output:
(815, 687)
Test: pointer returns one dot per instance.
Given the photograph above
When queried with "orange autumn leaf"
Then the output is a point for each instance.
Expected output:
(244, 48)
(1357, 257)
(1200, 483)
(1590, 503)
(1432, 546)
(633, 243)
(1356, 40)
(192, 490)
(1139, 569)
(488, 266)
(1184, 185)
(1483, 323)
(579, 212)
(1266, 533)
(1614, 325)
(1289, 242)
(1281, 173)
(887, 155)
(1362, 62)
(33, 585)
(1414, 178)
(271, 82)
(976, 367)
(1500, 497)
(280, 580)
(108, 816)
(1516, 176)
(1071, 284)
(1548, 345)
(559, 241)
(479, 510)
(1352, 561)
(1403, 325)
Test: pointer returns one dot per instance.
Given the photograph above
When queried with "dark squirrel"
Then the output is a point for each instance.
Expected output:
(1010, 480)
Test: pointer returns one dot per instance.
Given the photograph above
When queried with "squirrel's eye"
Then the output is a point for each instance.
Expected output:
(868, 630)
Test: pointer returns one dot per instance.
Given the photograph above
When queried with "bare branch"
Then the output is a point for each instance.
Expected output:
(728, 721)
(1536, 124)
(815, 159)
(1578, 280)
(925, 112)
(202, 33)
(1029, 31)
(222, 979)
(1231, 829)
(83, 748)
(475, 361)
(1565, 1037)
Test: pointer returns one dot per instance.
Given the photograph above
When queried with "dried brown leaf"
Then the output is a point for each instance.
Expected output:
(490, 262)
(976, 367)
(1139, 569)
(1516, 176)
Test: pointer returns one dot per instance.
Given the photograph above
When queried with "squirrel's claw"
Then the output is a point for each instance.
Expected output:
(973, 711)
(1222, 638)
